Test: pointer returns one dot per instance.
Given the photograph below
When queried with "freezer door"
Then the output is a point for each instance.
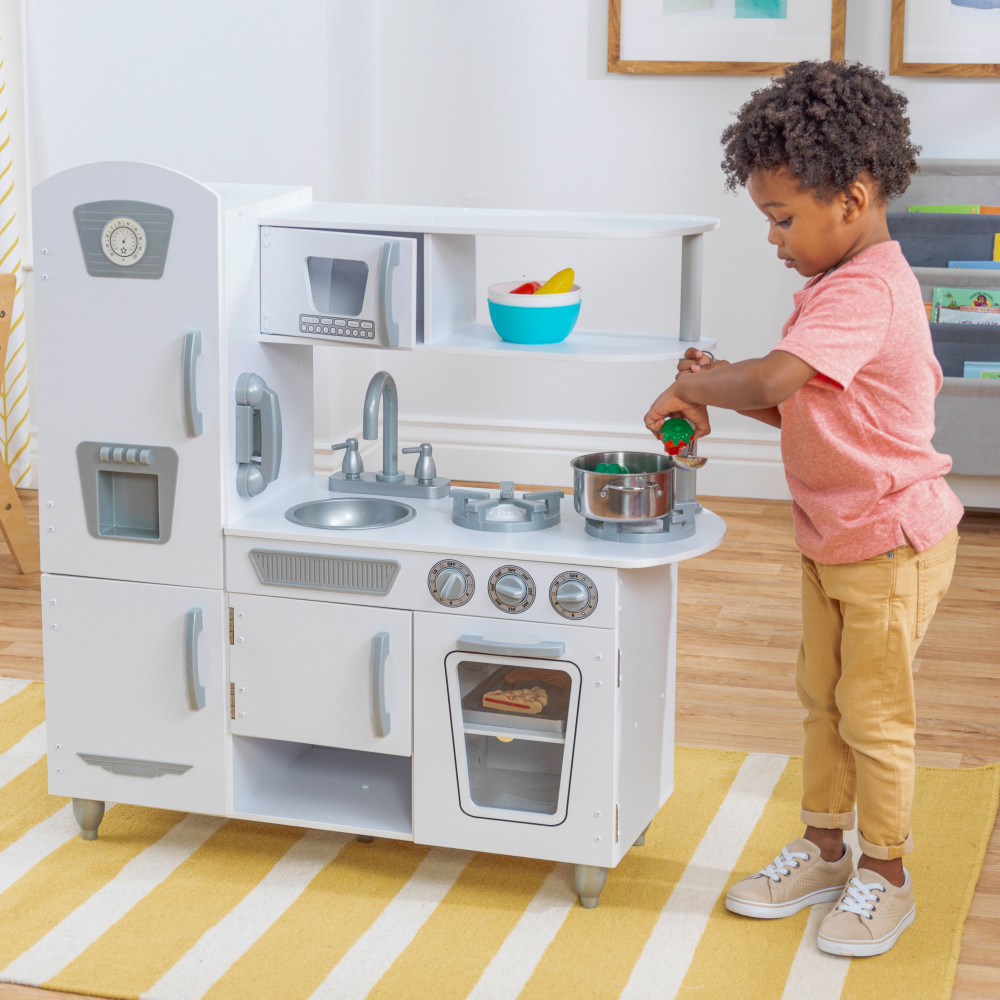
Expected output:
(326, 674)
(130, 429)
(134, 696)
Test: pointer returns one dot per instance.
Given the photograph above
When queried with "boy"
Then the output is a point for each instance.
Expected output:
(851, 385)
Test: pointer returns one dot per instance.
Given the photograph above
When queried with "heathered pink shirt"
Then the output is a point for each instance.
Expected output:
(856, 439)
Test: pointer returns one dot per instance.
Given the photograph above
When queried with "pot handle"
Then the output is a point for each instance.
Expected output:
(622, 487)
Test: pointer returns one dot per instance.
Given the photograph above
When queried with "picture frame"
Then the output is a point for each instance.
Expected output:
(937, 28)
(763, 43)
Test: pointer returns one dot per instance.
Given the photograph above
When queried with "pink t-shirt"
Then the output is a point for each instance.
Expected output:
(856, 438)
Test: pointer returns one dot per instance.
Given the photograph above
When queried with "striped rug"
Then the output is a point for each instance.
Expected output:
(169, 906)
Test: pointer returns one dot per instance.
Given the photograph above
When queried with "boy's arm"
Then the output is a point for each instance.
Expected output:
(757, 385)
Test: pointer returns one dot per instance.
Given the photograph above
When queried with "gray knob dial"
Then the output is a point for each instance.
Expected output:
(512, 589)
(451, 583)
(573, 595)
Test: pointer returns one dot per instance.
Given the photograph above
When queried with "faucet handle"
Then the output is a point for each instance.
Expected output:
(426, 470)
(352, 466)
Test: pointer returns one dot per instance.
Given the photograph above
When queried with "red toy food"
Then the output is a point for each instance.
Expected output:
(528, 288)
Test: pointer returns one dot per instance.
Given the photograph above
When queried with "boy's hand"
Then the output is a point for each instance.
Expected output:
(667, 405)
(697, 360)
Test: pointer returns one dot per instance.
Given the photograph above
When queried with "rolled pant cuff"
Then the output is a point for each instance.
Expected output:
(882, 852)
(829, 821)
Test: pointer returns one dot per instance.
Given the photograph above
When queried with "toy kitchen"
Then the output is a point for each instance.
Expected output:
(377, 652)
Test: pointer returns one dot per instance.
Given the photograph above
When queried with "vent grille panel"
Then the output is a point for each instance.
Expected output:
(336, 573)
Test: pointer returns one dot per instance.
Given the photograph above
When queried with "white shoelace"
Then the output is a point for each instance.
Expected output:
(859, 897)
(782, 863)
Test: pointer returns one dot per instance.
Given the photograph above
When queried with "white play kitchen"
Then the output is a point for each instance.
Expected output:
(376, 651)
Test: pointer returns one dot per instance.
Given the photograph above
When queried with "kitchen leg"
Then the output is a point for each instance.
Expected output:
(88, 813)
(641, 839)
(589, 881)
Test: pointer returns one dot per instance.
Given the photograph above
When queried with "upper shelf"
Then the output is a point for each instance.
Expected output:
(489, 221)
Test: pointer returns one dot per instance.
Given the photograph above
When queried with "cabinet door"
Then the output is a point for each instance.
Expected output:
(326, 674)
(134, 693)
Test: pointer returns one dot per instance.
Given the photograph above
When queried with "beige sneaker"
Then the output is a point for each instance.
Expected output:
(798, 877)
(870, 916)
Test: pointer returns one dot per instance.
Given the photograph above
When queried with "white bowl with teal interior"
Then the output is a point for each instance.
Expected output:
(532, 319)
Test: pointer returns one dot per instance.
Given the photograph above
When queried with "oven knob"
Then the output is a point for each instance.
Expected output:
(573, 595)
(451, 583)
(512, 589)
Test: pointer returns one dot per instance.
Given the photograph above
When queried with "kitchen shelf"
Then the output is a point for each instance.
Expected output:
(447, 301)
(603, 346)
(454, 221)
(323, 787)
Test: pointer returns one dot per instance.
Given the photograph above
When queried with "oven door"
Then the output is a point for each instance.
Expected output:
(513, 725)
(514, 736)
(356, 288)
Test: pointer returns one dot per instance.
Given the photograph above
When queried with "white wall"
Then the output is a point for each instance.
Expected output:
(451, 102)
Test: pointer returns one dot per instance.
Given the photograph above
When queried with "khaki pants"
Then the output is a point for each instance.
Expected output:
(861, 626)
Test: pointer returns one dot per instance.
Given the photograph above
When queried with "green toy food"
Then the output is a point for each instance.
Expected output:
(676, 434)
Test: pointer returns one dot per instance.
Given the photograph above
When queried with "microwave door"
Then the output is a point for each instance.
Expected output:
(339, 287)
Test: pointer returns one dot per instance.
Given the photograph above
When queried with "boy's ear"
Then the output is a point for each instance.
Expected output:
(857, 200)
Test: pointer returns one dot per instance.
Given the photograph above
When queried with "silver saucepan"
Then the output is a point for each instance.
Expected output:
(645, 490)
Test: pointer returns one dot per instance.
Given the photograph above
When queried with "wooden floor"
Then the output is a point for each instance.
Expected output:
(737, 637)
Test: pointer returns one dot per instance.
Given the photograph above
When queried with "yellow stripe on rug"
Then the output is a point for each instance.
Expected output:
(165, 906)
(19, 713)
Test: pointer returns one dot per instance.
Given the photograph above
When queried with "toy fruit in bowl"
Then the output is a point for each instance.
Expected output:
(533, 318)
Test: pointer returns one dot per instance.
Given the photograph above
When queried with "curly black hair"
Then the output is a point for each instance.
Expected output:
(828, 123)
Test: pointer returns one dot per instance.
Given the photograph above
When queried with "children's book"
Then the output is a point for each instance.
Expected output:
(947, 209)
(957, 209)
(977, 265)
(981, 369)
(966, 305)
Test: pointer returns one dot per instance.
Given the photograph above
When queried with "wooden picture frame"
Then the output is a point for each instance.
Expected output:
(899, 67)
(616, 64)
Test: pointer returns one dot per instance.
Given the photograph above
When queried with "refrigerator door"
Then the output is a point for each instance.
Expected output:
(135, 700)
(130, 430)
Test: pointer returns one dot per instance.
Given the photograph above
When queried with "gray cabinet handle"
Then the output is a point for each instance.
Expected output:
(380, 710)
(480, 644)
(192, 415)
(388, 260)
(192, 629)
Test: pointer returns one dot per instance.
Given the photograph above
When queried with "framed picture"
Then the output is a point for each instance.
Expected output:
(944, 38)
(722, 36)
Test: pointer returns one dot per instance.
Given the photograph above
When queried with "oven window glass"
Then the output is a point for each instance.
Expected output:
(337, 286)
(515, 723)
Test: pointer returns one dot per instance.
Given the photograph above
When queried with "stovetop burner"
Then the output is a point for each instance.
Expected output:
(679, 523)
(482, 512)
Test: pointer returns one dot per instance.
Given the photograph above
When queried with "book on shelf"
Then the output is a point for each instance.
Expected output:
(981, 369)
(966, 305)
(975, 265)
(996, 247)
(957, 209)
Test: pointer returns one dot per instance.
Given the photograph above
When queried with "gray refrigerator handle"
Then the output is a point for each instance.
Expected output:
(192, 415)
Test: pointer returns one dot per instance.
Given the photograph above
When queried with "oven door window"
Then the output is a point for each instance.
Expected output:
(513, 726)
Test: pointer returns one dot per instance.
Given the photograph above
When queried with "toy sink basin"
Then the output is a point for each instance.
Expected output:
(350, 512)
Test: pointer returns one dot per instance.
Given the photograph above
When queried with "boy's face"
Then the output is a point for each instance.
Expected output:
(812, 235)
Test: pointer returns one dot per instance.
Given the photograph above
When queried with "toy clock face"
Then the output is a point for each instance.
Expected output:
(123, 241)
